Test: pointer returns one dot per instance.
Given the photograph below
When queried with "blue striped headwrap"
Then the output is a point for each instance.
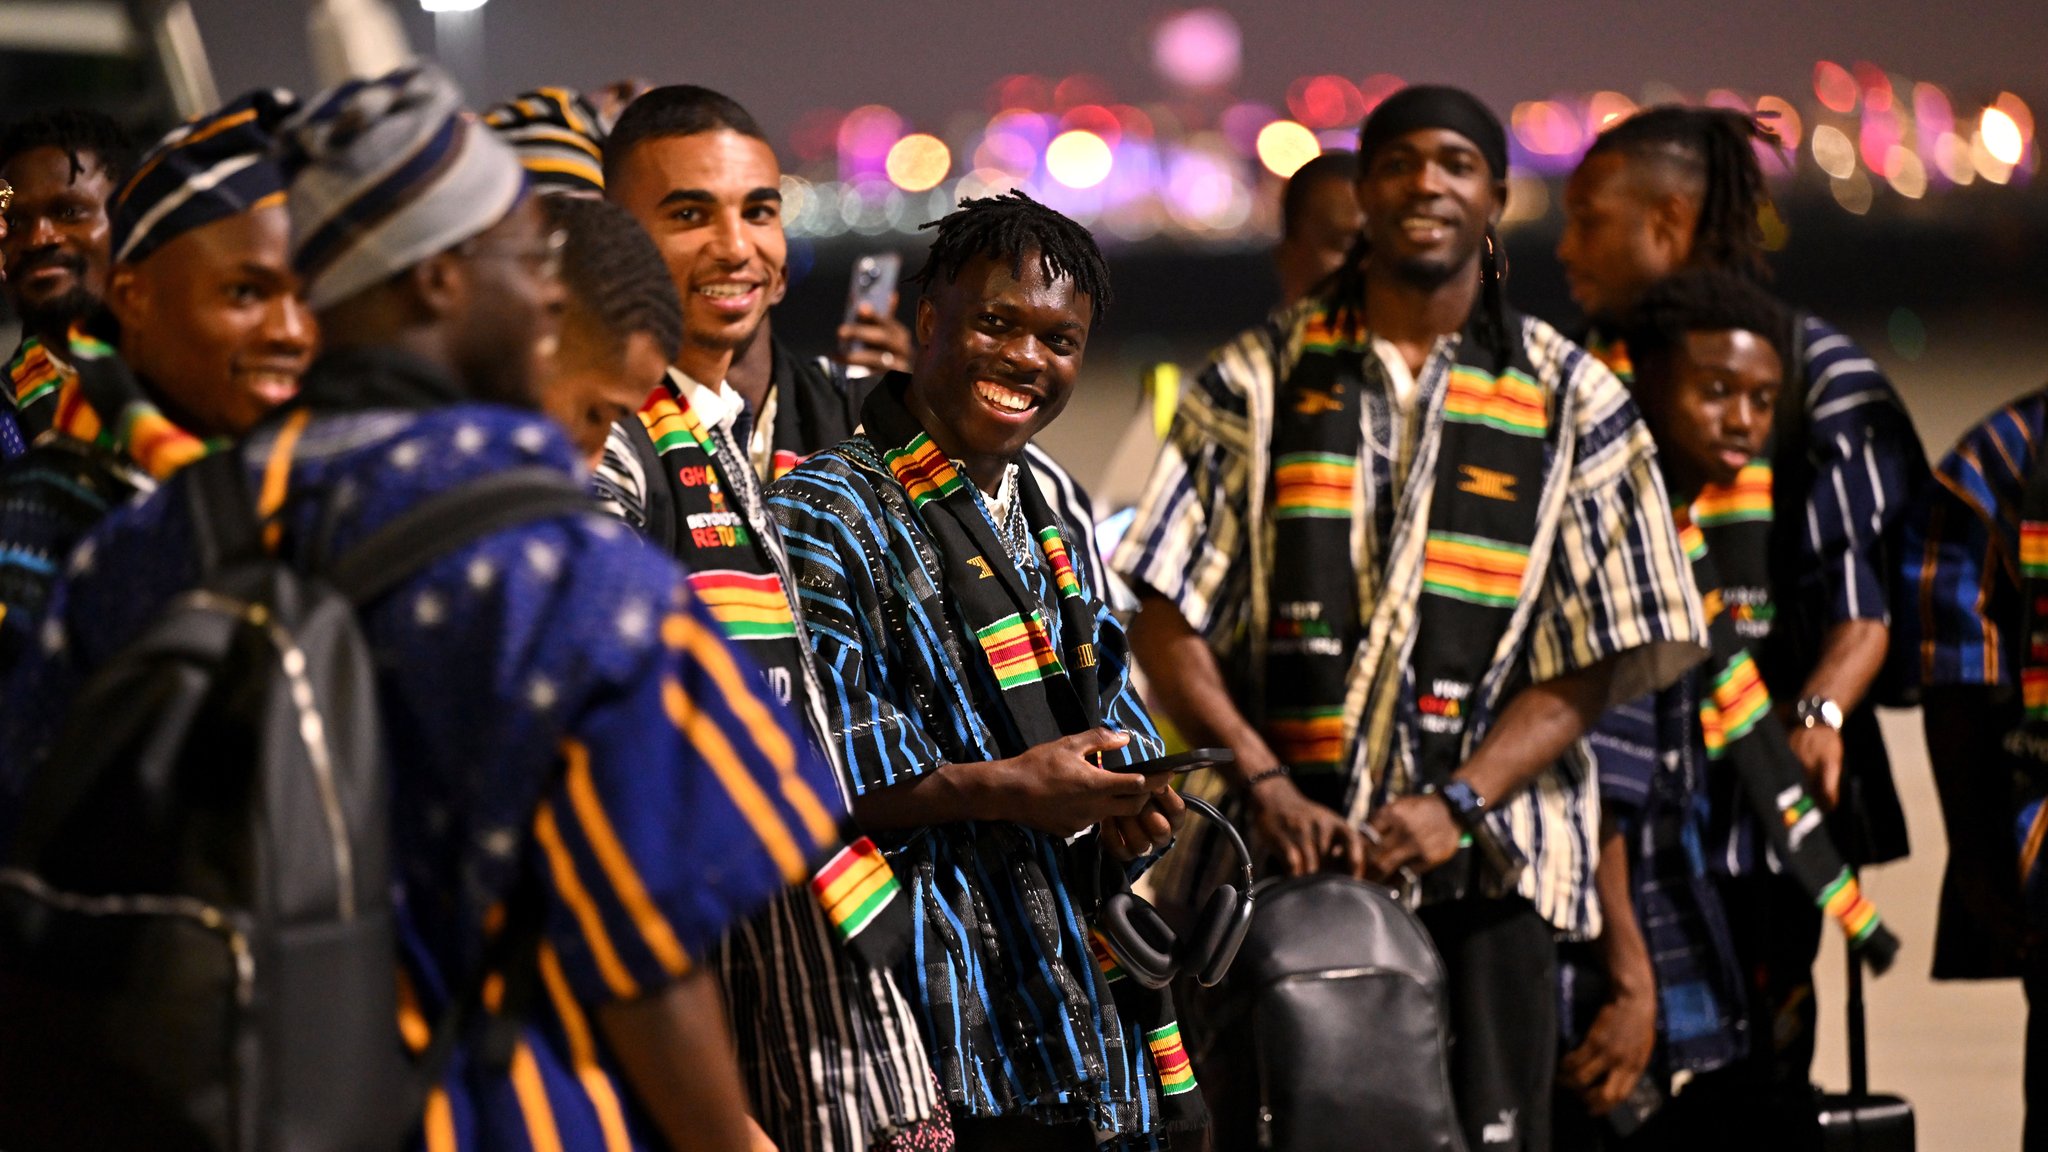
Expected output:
(385, 173)
(559, 137)
(207, 169)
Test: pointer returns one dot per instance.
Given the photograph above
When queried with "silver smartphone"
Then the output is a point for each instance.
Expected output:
(873, 284)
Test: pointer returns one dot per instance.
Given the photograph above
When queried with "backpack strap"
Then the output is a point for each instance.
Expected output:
(451, 520)
(513, 955)
(223, 512)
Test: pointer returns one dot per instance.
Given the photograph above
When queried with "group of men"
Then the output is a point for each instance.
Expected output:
(818, 746)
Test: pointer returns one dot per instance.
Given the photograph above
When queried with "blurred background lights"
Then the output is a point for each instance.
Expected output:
(1285, 146)
(1606, 109)
(1952, 157)
(1546, 128)
(1833, 151)
(1188, 154)
(1907, 174)
(1854, 193)
(1834, 87)
(1078, 159)
(918, 162)
(1782, 119)
(865, 137)
(2001, 135)
(1528, 199)
(1198, 48)
(1008, 153)
(1325, 101)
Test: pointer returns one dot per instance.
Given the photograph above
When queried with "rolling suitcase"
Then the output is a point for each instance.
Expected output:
(1860, 1121)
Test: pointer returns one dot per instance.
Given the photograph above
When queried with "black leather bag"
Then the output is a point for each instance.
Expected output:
(1331, 1025)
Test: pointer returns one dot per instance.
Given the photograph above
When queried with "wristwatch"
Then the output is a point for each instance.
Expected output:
(1817, 710)
(1468, 807)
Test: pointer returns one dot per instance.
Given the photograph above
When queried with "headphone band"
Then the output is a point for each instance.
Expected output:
(1244, 854)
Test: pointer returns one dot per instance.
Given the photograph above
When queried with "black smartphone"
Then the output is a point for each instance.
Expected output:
(1193, 760)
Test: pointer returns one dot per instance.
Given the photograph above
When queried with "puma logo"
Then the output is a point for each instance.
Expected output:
(1487, 483)
(1317, 403)
(1501, 1131)
(981, 565)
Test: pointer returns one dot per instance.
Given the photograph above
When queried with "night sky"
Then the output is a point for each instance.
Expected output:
(930, 59)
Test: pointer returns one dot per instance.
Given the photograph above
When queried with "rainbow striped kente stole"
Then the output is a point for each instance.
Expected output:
(1740, 730)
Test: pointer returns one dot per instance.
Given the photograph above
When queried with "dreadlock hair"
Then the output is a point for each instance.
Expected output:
(613, 272)
(1714, 150)
(77, 132)
(674, 110)
(1702, 300)
(1010, 227)
(1336, 164)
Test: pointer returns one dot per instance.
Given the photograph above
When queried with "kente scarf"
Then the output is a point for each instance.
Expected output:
(1048, 692)
(2026, 746)
(102, 404)
(712, 516)
(1482, 521)
(1736, 717)
(35, 377)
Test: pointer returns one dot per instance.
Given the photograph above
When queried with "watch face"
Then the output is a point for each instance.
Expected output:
(1820, 710)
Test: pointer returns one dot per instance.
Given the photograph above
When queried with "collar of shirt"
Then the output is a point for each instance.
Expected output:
(1005, 495)
(720, 407)
(717, 405)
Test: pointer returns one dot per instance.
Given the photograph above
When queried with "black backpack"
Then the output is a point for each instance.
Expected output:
(1336, 976)
(196, 943)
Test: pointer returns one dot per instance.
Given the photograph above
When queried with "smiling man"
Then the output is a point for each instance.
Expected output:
(826, 1039)
(979, 690)
(211, 333)
(1402, 545)
(64, 166)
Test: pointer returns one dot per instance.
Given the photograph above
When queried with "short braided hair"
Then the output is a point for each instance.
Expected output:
(1010, 227)
(670, 111)
(612, 269)
(76, 132)
(1714, 147)
(1705, 300)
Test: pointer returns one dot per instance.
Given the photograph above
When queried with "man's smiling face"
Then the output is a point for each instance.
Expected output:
(712, 201)
(998, 354)
(1428, 198)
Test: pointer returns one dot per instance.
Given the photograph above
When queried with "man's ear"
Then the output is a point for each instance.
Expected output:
(1673, 217)
(439, 285)
(1500, 203)
(927, 322)
(128, 295)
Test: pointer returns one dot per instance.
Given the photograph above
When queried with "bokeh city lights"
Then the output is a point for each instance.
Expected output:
(1199, 160)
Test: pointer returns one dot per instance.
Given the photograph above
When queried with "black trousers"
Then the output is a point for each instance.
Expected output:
(1500, 964)
(1764, 1101)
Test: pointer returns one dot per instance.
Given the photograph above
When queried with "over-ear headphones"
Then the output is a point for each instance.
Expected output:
(1150, 951)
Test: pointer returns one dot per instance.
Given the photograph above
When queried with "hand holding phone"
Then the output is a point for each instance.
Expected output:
(1193, 760)
(872, 290)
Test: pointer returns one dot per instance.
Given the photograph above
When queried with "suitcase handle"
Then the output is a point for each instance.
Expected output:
(1859, 1064)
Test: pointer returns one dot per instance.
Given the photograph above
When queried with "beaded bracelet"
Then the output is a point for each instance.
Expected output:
(1261, 777)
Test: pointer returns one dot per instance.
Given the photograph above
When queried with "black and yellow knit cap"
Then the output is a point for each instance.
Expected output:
(559, 137)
